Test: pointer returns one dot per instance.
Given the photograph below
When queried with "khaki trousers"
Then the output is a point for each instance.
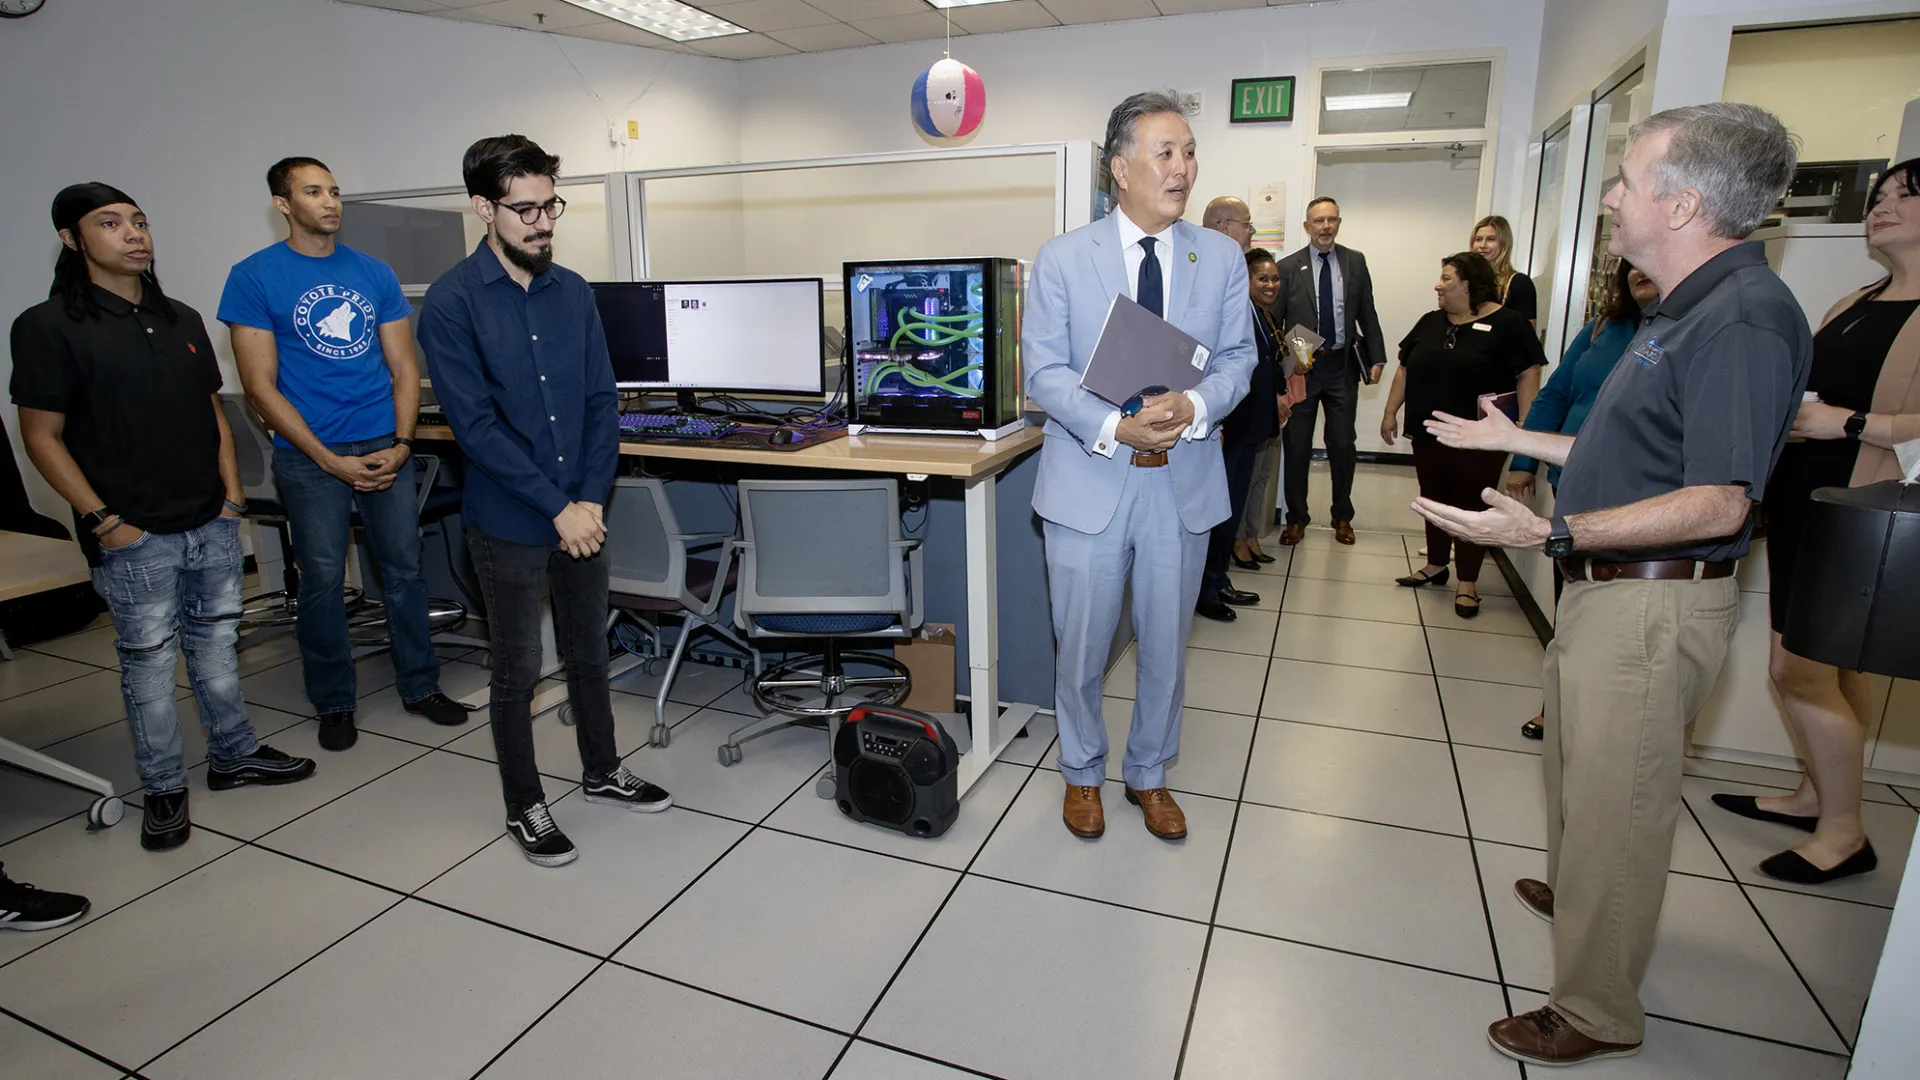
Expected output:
(1630, 665)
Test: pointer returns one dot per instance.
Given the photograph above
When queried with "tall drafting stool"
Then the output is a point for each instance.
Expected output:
(824, 559)
(652, 574)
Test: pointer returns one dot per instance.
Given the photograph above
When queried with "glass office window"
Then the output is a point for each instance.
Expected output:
(1548, 204)
(1613, 115)
(1430, 97)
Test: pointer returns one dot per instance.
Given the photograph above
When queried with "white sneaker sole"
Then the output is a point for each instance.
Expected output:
(45, 924)
(638, 808)
(551, 860)
(1531, 1060)
(1534, 911)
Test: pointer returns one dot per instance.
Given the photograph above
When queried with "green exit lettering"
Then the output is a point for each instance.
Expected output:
(1258, 101)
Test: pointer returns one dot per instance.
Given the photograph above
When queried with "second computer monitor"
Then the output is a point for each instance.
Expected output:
(758, 336)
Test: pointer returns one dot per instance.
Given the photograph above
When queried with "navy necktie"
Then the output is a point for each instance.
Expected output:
(1148, 291)
(1326, 299)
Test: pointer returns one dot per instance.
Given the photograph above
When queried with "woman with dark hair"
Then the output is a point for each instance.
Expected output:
(1492, 240)
(1252, 424)
(1863, 396)
(1564, 402)
(1468, 347)
(1263, 283)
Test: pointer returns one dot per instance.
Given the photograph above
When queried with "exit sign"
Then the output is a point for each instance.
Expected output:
(1262, 101)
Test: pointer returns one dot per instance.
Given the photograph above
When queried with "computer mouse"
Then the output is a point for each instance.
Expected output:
(783, 437)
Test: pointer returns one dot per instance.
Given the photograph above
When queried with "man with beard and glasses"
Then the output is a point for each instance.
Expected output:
(320, 335)
(118, 392)
(521, 369)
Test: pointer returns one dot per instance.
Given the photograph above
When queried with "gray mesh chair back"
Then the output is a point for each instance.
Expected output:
(642, 559)
(818, 553)
(252, 446)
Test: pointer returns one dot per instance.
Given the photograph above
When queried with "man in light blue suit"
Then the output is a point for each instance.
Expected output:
(1133, 497)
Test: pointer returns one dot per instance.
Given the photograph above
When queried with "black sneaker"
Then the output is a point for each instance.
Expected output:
(337, 731)
(540, 840)
(264, 766)
(164, 824)
(622, 788)
(440, 709)
(23, 907)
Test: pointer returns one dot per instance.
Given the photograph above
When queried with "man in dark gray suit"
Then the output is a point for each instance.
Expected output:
(1326, 288)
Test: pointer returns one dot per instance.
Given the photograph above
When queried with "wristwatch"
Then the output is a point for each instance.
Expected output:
(1559, 538)
(408, 443)
(1856, 425)
(96, 519)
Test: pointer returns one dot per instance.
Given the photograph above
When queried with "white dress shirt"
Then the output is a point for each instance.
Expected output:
(1136, 254)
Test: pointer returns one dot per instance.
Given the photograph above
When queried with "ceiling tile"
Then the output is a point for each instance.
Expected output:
(763, 15)
(742, 47)
(1095, 11)
(852, 10)
(620, 33)
(419, 7)
(1189, 7)
(1000, 18)
(920, 27)
(461, 3)
(534, 14)
(822, 38)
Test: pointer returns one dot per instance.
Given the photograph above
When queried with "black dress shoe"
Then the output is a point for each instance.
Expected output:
(1749, 807)
(1534, 729)
(1263, 557)
(1212, 608)
(1247, 564)
(1790, 866)
(1239, 597)
(1421, 577)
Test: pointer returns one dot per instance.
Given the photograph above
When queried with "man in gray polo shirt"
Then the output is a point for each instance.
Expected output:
(1655, 507)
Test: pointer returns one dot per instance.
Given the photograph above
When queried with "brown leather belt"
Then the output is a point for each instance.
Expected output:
(1149, 461)
(1583, 569)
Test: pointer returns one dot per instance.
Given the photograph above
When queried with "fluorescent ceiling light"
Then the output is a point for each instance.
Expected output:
(1352, 102)
(962, 3)
(668, 18)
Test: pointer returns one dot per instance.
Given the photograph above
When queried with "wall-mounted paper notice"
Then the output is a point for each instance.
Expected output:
(1268, 203)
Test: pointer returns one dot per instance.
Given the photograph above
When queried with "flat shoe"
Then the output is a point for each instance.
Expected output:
(1747, 806)
(1419, 578)
(1464, 609)
(1247, 564)
(1533, 729)
(1792, 866)
(1263, 557)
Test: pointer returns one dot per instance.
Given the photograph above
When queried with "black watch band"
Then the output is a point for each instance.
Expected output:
(96, 519)
(398, 441)
(1559, 538)
(1856, 425)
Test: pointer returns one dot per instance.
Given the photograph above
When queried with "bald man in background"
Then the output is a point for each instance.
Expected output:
(1231, 216)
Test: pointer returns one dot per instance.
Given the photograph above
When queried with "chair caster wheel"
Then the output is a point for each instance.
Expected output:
(660, 735)
(105, 813)
(824, 787)
(729, 756)
(565, 715)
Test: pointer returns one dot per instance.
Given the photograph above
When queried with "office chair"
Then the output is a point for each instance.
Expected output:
(367, 620)
(254, 450)
(652, 574)
(824, 559)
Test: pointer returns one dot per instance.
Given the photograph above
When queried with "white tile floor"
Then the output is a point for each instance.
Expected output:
(1359, 803)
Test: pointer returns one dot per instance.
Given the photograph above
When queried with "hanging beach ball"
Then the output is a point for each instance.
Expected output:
(948, 100)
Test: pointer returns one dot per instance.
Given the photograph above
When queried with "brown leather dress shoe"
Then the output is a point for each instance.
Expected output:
(1164, 816)
(1292, 535)
(1543, 1037)
(1535, 896)
(1083, 814)
(1343, 532)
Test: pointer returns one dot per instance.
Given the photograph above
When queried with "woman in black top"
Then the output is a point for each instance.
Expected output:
(1257, 420)
(1492, 240)
(1468, 347)
(1863, 396)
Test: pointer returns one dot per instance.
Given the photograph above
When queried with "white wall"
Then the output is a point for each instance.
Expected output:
(1406, 210)
(1581, 43)
(184, 104)
(1843, 89)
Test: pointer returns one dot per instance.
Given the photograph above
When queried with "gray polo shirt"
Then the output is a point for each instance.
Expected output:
(1704, 397)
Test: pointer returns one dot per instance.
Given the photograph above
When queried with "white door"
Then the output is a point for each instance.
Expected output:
(1404, 210)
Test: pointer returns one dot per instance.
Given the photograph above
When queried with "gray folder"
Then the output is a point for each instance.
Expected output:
(1138, 349)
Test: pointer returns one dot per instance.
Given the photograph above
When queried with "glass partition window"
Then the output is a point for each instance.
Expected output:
(424, 236)
(1547, 207)
(1432, 97)
(1613, 115)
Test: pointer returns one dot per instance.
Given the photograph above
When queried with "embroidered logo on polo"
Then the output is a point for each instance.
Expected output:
(335, 322)
(1649, 353)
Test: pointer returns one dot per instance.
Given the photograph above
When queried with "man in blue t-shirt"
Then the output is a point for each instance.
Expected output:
(325, 352)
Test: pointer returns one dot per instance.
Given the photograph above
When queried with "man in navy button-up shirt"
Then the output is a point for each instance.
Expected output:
(520, 366)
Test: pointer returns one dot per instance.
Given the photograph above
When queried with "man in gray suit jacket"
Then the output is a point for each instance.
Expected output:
(1326, 288)
(1132, 498)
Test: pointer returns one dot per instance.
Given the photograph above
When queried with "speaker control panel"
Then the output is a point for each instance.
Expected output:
(884, 746)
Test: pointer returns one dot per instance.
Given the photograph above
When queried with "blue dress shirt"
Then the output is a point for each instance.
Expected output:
(527, 387)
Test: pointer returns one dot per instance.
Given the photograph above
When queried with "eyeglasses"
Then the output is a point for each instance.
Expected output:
(1453, 333)
(530, 215)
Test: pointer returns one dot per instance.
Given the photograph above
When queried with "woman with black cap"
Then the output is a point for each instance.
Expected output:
(118, 393)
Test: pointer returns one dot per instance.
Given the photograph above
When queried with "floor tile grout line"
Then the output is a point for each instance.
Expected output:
(1704, 1026)
(600, 963)
(97, 669)
(955, 1066)
(63, 1040)
(1773, 936)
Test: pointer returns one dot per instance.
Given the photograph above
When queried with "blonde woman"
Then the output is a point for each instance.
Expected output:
(1492, 240)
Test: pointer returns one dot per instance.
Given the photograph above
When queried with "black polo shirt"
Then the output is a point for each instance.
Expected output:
(1704, 397)
(135, 387)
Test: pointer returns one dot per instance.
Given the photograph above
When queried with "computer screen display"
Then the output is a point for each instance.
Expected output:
(760, 336)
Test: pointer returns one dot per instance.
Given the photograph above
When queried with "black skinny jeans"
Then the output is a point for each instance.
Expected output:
(1455, 477)
(513, 578)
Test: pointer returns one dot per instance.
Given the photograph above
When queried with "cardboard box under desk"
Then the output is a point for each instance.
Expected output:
(929, 657)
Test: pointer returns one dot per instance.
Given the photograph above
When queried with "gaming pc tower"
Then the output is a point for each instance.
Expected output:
(934, 346)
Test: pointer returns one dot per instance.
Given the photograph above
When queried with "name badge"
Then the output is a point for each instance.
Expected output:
(1482, 327)
(1200, 355)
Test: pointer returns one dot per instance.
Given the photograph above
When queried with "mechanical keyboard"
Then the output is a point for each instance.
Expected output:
(674, 426)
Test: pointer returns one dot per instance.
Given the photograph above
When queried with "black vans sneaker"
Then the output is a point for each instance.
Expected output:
(540, 840)
(23, 907)
(440, 709)
(163, 822)
(622, 788)
(264, 766)
(337, 731)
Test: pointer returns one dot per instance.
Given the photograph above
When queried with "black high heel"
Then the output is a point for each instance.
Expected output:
(1417, 579)
(1245, 564)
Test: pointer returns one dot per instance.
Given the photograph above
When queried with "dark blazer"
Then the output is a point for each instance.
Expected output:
(1257, 418)
(1299, 303)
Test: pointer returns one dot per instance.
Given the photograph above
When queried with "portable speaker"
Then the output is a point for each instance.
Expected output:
(897, 768)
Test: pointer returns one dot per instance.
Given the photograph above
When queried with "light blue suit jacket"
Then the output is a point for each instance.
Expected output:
(1075, 278)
